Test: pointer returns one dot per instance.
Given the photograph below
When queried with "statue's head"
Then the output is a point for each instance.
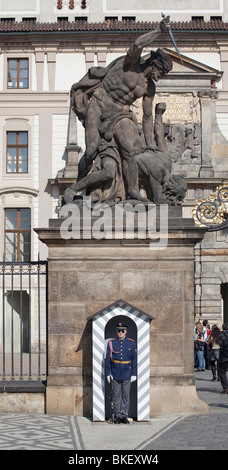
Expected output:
(160, 61)
(175, 190)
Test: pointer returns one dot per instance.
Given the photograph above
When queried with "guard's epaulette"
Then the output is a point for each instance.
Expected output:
(131, 339)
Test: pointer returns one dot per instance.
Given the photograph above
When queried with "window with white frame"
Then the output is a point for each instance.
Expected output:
(17, 234)
(18, 73)
(17, 152)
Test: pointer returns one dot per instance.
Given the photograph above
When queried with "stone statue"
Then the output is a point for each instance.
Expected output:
(115, 152)
(195, 107)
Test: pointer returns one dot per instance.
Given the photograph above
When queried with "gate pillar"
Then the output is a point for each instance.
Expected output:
(87, 275)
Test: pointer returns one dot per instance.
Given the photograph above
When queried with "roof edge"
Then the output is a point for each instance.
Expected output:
(115, 304)
(29, 26)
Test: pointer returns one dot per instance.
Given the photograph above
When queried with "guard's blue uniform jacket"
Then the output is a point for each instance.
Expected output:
(121, 358)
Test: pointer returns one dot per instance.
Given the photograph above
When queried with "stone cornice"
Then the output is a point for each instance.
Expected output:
(19, 189)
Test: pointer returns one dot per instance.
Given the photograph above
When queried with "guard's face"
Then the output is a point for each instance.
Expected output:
(121, 333)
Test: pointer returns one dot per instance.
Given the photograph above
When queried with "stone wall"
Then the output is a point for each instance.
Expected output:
(86, 276)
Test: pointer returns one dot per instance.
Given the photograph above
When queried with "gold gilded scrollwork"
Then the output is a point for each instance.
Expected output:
(211, 212)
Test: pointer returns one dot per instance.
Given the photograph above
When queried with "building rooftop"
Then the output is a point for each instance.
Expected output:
(11, 26)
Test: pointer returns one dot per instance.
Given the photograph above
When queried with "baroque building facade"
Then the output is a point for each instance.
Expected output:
(45, 47)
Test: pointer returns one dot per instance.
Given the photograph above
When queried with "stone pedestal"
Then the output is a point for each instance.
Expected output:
(88, 275)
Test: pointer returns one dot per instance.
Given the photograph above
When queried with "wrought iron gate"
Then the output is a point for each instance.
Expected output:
(23, 321)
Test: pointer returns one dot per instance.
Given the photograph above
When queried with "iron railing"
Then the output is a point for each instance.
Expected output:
(23, 321)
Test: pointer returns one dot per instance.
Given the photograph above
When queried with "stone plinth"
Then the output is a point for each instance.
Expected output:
(87, 275)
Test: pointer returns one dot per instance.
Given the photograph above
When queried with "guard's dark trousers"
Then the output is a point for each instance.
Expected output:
(121, 397)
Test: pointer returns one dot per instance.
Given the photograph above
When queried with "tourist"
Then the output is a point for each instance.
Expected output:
(208, 329)
(223, 357)
(206, 349)
(196, 362)
(200, 348)
(214, 348)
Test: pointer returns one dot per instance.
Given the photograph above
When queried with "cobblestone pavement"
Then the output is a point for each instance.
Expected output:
(185, 432)
(198, 432)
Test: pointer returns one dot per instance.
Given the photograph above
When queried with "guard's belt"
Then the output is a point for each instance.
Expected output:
(121, 362)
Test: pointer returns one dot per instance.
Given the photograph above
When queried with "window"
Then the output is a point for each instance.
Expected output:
(17, 152)
(7, 19)
(195, 18)
(18, 70)
(17, 235)
(111, 18)
(128, 18)
(29, 18)
(81, 18)
(216, 18)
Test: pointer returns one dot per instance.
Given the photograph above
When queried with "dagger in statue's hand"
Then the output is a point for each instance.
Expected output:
(173, 40)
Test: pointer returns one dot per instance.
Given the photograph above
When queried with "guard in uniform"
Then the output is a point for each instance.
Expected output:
(121, 368)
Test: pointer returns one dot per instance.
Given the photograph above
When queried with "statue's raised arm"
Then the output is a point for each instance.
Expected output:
(134, 52)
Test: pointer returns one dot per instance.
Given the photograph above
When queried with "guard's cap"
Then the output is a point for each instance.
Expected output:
(121, 326)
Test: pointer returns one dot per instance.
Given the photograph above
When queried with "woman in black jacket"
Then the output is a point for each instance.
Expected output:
(213, 342)
(223, 357)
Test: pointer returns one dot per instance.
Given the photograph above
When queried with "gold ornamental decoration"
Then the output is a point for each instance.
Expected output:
(212, 212)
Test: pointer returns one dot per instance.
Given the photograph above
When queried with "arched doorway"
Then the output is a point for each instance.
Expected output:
(141, 320)
(224, 292)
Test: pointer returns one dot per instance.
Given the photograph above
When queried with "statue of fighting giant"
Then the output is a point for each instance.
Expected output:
(116, 154)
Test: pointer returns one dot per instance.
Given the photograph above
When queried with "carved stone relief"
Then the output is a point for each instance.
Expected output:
(182, 120)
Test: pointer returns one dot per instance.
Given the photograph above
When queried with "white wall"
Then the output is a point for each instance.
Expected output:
(222, 120)
(70, 68)
(1, 72)
(208, 58)
(59, 142)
